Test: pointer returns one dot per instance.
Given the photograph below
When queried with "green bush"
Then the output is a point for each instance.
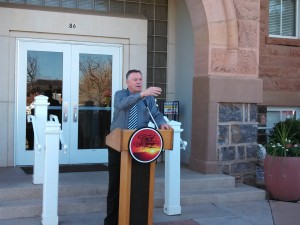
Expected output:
(284, 139)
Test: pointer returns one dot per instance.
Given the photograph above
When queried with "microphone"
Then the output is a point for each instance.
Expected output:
(145, 103)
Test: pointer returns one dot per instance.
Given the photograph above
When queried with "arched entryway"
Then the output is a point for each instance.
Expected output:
(225, 72)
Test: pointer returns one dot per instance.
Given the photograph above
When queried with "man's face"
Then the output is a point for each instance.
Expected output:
(135, 82)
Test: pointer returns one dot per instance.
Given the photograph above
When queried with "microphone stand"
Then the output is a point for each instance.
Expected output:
(145, 103)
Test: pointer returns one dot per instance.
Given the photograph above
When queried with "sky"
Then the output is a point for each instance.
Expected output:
(50, 64)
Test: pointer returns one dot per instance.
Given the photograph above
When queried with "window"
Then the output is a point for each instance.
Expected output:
(283, 17)
(268, 116)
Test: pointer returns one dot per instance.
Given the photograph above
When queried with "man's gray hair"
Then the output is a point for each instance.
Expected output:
(132, 71)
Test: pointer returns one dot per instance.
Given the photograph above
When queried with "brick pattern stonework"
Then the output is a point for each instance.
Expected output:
(237, 140)
(239, 58)
(279, 65)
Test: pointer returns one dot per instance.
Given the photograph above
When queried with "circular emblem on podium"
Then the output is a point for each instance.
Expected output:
(145, 145)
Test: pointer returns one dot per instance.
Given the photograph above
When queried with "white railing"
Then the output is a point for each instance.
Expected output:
(61, 136)
(50, 187)
(48, 135)
(172, 172)
(31, 119)
(38, 121)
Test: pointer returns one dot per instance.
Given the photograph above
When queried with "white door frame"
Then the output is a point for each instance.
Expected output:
(23, 45)
(92, 156)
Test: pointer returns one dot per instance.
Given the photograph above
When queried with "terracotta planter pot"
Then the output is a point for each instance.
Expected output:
(282, 177)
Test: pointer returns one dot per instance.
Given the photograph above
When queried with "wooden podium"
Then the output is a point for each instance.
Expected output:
(118, 139)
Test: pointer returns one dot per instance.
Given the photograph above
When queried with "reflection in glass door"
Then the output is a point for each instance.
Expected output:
(43, 79)
(93, 70)
(94, 104)
(78, 82)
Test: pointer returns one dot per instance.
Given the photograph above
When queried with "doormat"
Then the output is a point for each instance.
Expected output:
(72, 168)
(181, 222)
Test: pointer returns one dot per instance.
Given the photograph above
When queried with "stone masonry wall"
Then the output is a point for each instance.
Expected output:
(240, 56)
(226, 57)
(237, 140)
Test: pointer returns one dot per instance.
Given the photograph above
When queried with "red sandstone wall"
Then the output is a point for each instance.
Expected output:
(279, 65)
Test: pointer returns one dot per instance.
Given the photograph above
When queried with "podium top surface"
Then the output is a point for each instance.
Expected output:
(118, 139)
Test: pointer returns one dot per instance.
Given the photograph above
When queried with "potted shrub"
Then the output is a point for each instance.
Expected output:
(282, 162)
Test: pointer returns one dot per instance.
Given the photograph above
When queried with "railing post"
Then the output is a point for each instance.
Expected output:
(172, 173)
(40, 113)
(50, 187)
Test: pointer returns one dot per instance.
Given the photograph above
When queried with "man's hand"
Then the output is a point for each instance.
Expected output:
(165, 126)
(151, 91)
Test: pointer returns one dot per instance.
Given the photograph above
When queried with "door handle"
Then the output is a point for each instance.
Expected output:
(75, 112)
(65, 117)
(65, 111)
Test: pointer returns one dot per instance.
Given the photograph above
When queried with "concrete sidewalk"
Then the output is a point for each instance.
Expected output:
(245, 213)
(285, 213)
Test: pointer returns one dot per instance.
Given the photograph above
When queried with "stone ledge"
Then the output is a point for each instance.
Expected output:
(283, 41)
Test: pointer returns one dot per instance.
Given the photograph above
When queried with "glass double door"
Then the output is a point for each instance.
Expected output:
(78, 79)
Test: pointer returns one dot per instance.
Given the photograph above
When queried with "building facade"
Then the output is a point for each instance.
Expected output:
(213, 56)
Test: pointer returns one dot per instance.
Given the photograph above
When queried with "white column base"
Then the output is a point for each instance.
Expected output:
(172, 210)
(52, 220)
(37, 179)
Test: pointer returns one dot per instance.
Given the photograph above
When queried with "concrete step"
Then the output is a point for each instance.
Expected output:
(20, 208)
(21, 193)
(89, 204)
(86, 192)
(239, 193)
(201, 182)
(66, 206)
(36, 191)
